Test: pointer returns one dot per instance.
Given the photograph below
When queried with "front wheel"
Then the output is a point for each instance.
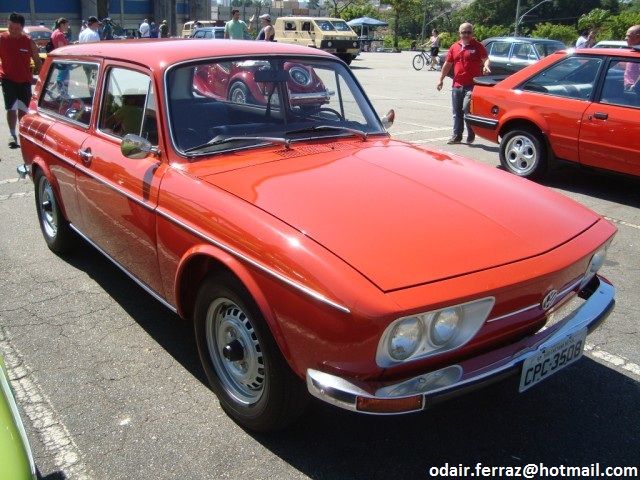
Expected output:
(54, 226)
(242, 361)
(523, 153)
(418, 62)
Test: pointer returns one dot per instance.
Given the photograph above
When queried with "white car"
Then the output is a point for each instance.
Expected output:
(611, 44)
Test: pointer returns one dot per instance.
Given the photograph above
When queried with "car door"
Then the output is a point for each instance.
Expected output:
(66, 103)
(118, 195)
(564, 92)
(611, 126)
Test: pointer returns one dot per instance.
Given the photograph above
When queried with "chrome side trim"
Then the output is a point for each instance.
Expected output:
(312, 293)
(476, 372)
(140, 283)
(560, 296)
(482, 122)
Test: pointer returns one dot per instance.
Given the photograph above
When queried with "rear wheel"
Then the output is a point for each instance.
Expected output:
(241, 359)
(55, 228)
(523, 153)
(418, 62)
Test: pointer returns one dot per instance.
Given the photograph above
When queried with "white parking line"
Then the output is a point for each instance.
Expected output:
(53, 434)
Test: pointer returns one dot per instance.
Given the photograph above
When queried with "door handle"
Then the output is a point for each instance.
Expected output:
(86, 156)
(601, 116)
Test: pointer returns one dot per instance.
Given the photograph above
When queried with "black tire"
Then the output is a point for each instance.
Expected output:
(242, 361)
(418, 62)
(346, 58)
(239, 93)
(524, 153)
(55, 228)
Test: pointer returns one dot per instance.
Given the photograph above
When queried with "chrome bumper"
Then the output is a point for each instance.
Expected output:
(420, 392)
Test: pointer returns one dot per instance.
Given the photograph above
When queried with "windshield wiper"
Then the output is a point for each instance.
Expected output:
(352, 131)
(219, 140)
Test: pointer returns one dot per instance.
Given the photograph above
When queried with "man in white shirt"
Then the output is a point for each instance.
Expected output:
(145, 29)
(91, 33)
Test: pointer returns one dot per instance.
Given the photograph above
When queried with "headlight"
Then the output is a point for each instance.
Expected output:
(405, 338)
(431, 333)
(329, 44)
(444, 326)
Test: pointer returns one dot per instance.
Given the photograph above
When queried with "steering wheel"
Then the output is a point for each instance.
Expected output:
(317, 110)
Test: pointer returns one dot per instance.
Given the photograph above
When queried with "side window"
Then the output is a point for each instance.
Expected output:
(499, 49)
(128, 105)
(306, 26)
(521, 51)
(621, 86)
(574, 77)
(289, 26)
(69, 90)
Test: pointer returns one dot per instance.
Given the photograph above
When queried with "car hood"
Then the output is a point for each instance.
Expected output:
(401, 215)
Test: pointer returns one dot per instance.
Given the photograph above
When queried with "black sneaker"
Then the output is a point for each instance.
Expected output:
(455, 139)
(471, 138)
(13, 142)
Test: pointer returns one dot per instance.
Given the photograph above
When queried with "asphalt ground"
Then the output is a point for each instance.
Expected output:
(110, 386)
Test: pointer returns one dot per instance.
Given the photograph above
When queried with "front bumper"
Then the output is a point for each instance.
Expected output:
(420, 392)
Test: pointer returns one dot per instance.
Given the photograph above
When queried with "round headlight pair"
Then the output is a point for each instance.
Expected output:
(408, 334)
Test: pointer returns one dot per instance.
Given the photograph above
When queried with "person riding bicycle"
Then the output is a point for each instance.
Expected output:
(434, 45)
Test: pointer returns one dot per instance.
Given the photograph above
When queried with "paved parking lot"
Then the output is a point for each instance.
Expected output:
(111, 388)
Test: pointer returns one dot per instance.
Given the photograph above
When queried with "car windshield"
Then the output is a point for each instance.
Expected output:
(226, 104)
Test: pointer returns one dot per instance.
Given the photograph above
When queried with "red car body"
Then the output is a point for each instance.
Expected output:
(314, 253)
(571, 106)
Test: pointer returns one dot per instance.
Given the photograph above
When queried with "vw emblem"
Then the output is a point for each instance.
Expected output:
(549, 300)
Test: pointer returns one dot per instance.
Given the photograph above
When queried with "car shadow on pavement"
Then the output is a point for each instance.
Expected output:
(584, 415)
(615, 188)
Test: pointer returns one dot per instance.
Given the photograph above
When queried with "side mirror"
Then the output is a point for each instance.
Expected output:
(136, 147)
(388, 119)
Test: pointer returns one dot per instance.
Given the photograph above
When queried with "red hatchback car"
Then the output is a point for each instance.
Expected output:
(314, 254)
(580, 106)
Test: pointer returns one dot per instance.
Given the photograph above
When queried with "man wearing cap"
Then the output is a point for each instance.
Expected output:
(164, 29)
(91, 33)
(267, 33)
(236, 28)
(107, 29)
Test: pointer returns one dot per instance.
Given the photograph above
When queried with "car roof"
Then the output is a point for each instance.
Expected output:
(36, 28)
(521, 39)
(158, 53)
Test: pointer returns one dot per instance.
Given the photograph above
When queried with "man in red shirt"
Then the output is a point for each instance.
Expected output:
(16, 52)
(469, 59)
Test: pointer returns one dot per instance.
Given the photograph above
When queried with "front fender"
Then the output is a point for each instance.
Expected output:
(199, 261)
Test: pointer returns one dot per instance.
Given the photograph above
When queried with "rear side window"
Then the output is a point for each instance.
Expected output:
(69, 91)
(622, 84)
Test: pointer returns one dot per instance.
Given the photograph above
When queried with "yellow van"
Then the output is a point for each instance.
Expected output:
(188, 26)
(332, 35)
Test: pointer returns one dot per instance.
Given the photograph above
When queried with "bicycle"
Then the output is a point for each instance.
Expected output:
(422, 59)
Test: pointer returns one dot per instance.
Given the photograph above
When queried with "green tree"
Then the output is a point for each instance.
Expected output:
(567, 34)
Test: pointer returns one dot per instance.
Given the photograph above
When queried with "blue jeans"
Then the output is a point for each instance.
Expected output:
(461, 99)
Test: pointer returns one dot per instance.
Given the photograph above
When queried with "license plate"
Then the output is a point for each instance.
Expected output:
(553, 358)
